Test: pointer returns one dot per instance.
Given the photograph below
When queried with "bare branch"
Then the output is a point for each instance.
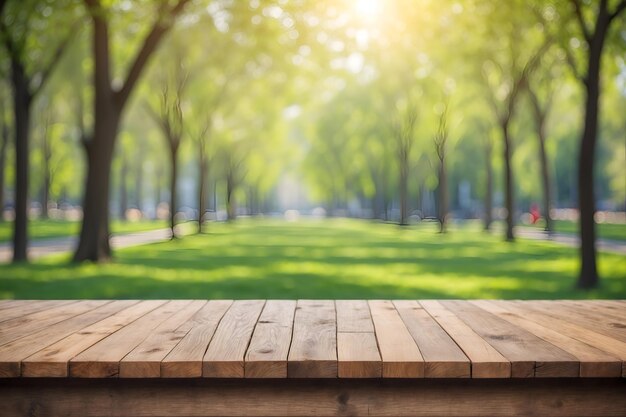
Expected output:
(619, 9)
(56, 57)
(8, 42)
(569, 56)
(160, 27)
(581, 20)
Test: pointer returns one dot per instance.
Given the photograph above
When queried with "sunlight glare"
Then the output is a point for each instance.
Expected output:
(368, 9)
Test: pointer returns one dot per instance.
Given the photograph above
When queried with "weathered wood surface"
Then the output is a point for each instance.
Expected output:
(306, 397)
(312, 339)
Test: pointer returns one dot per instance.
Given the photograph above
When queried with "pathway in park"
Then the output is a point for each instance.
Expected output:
(606, 245)
(44, 247)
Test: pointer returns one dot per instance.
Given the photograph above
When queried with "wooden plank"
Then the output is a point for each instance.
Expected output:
(23, 326)
(442, 356)
(14, 352)
(598, 340)
(357, 350)
(300, 398)
(608, 311)
(353, 316)
(185, 359)
(4, 304)
(144, 361)
(225, 356)
(21, 308)
(487, 362)
(102, 360)
(358, 356)
(269, 347)
(313, 352)
(529, 355)
(53, 361)
(400, 355)
(593, 362)
(597, 322)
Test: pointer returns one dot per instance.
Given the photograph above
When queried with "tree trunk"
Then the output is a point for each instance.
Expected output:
(3, 158)
(157, 187)
(173, 179)
(508, 183)
(443, 195)
(94, 235)
(108, 106)
(545, 179)
(404, 174)
(215, 197)
(488, 186)
(21, 106)
(47, 177)
(586, 197)
(123, 189)
(231, 210)
(45, 193)
(93, 244)
(202, 188)
(540, 114)
(139, 187)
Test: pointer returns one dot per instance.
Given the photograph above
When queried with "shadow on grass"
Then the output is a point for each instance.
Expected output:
(334, 259)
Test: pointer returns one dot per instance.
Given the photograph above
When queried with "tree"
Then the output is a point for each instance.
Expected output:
(109, 103)
(541, 106)
(404, 134)
(488, 152)
(440, 139)
(594, 35)
(234, 156)
(46, 156)
(27, 81)
(169, 117)
(515, 78)
(201, 139)
(4, 145)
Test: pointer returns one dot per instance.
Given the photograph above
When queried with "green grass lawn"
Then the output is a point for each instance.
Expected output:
(604, 230)
(43, 229)
(322, 259)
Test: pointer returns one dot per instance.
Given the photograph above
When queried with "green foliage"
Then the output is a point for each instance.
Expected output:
(308, 90)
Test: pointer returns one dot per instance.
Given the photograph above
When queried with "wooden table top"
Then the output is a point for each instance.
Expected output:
(312, 339)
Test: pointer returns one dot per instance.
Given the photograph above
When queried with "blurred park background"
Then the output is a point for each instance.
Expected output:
(312, 149)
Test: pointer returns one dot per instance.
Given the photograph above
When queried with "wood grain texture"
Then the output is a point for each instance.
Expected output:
(225, 356)
(593, 362)
(358, 355)
(53, 361)
(400, 355)
(487, 362)
(102, 360)
(267, 354)
(598, 340)
(342, 397)
(353, 316)
(22, 308)
(312, 339)
(144, 361)
(313, 352)
(14, 352)
(357, 349)
(185, 359)
(442, 356)
(597, 322)
(22, 326)
(529, 355)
